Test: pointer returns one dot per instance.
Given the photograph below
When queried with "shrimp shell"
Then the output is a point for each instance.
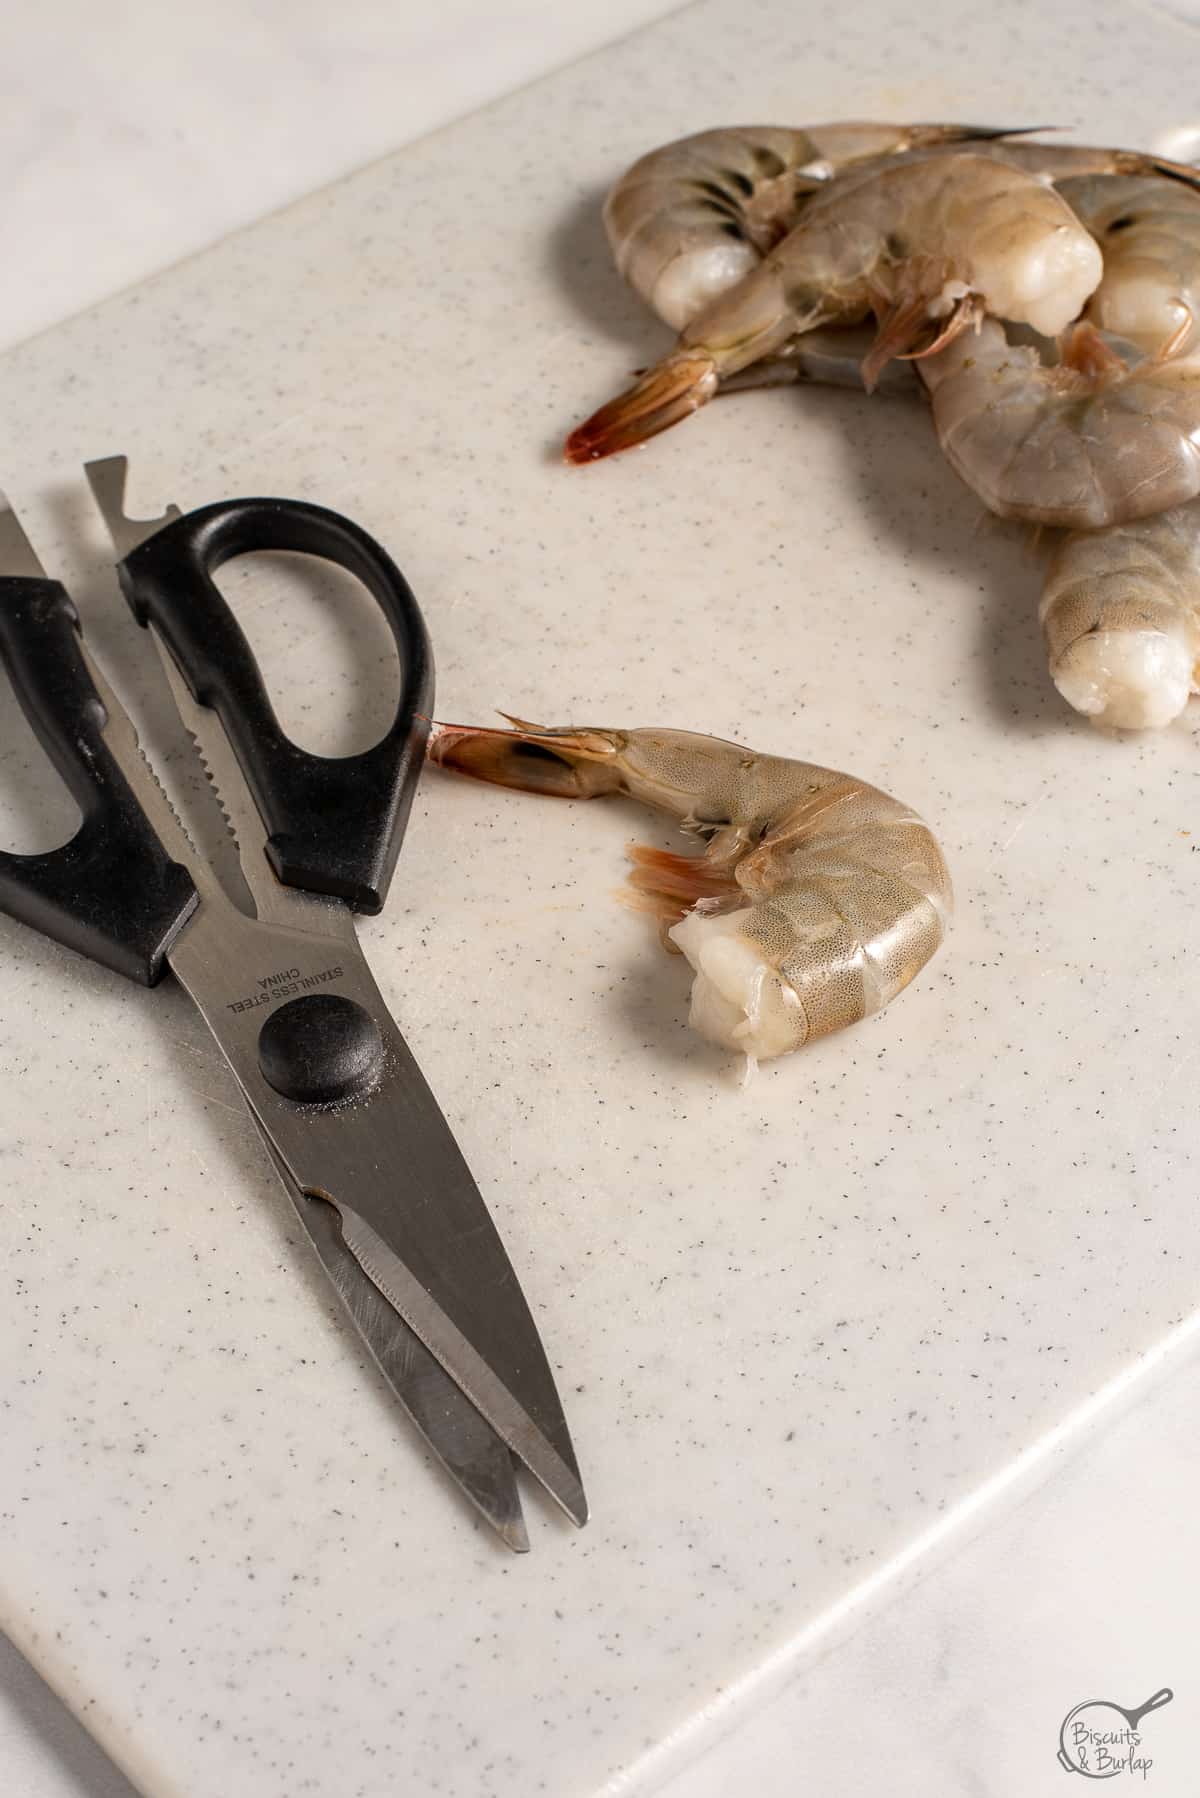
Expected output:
(1148, 230)
(1061, 446)
(687, 221)
(931, 238)
(816, 901)
(1120, 614)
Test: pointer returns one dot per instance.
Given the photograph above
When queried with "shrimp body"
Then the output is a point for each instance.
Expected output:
(935, 238)
(1120, 614)
(816, 901)
(1149, 232)
(687, 221)
(1077, 446)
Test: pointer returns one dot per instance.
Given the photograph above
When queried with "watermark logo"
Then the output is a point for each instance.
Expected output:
(1100, 1739)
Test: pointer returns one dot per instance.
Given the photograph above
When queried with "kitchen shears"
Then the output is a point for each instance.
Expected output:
(355, 1134)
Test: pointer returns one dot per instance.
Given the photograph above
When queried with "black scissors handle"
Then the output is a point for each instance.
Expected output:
(334, 824)
(112, 892)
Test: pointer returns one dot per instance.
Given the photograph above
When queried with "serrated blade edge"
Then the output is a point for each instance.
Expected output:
(125, 746)
(274, 903)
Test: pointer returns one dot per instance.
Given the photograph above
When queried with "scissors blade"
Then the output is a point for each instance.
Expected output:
(468, 1449)
(411, 1213)
(458, 1435)
(412, 1217)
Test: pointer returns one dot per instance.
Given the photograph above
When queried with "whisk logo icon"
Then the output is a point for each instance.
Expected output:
(1100, 1739)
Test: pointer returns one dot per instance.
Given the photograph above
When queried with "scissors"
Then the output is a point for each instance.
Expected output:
(355, 1135)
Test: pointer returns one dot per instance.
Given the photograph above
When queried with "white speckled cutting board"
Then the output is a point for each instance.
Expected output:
(794, 1326)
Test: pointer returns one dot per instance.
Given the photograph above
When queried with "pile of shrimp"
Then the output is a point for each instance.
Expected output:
(818, 897)
(1048, 295)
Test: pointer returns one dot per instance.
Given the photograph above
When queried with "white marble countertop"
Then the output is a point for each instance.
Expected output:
(934, 1663)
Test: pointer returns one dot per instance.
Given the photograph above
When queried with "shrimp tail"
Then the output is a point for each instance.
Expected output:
(678, 385)
(533, 758)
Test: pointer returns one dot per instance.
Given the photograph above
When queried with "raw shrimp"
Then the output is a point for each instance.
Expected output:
(1088, 443)
(816, 901)
(690, 219)
(930, 239)
(1148, 230)
(827, 357)
(1120, 614)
